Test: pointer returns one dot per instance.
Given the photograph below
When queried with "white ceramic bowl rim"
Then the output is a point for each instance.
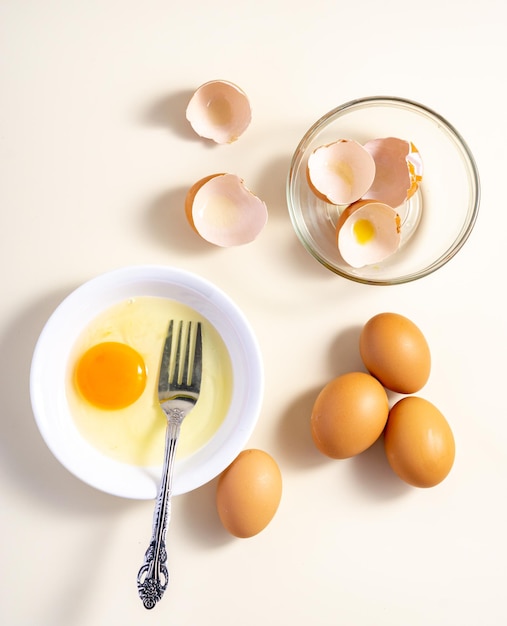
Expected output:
(47, 376)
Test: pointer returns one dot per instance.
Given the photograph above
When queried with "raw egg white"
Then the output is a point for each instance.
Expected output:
(248, 493)
(113, 377)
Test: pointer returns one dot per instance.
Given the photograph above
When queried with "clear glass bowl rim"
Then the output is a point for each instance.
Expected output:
(466, 153)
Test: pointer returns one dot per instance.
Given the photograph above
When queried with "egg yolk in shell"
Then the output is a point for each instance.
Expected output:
(111, 375)
(364, 231)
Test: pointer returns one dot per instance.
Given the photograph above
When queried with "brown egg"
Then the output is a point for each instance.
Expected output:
(396, 352)
(349, 415)
(249, 493)
(419, 443)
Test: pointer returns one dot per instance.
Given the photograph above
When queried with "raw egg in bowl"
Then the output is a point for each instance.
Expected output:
(94, 377)
(424, 171)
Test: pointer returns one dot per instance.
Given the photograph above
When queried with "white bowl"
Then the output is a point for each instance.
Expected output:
(50, 362)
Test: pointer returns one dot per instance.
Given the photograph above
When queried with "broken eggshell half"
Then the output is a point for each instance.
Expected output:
(340, 172)
(223, 211)
(398, 170)
(219, 110)
(367, 232)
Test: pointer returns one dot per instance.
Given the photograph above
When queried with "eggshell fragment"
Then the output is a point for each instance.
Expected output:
(368, 232)
(349, 415)
(419, 442)
(398, 170)
(189, 198)
(219, 110)
(395, 351)
(248, 493)
(340, 172)
(223, 211)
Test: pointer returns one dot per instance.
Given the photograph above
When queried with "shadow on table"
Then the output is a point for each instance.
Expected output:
(169, 111)
(201, 516)
(369, 470)
(24, 457)
(166, 222)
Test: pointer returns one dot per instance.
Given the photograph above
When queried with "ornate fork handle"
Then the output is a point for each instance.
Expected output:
(153, 576)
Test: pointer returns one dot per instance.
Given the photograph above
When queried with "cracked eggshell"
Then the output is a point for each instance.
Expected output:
(219, 110)
(340, 172)
(223, 211)
(398, 170)
(367, 232)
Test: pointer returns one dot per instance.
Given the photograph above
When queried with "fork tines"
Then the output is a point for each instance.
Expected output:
(182, 355)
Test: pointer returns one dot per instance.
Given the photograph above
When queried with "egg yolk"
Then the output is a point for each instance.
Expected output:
(111, 375)
(364, 231)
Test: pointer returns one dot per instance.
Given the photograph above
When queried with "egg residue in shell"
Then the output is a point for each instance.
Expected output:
(378, 178)
(367, 232)
(223, 211)
(398, 170)
(132, 429)
(419, 442)
(219, 110)
(248, 493)
(396, 352)
(349, 415)
(340, 172)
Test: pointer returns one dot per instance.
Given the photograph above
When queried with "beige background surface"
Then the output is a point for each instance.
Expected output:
(95, 161)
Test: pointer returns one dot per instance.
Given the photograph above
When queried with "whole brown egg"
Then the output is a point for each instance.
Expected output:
(349, 415)
(248, 493)
(395, 351)
(419, 442)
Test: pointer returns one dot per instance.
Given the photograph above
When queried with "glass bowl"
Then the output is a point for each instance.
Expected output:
(435, 222)
(50, 365)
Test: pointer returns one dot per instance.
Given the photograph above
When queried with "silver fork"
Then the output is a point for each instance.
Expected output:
(178, 391)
